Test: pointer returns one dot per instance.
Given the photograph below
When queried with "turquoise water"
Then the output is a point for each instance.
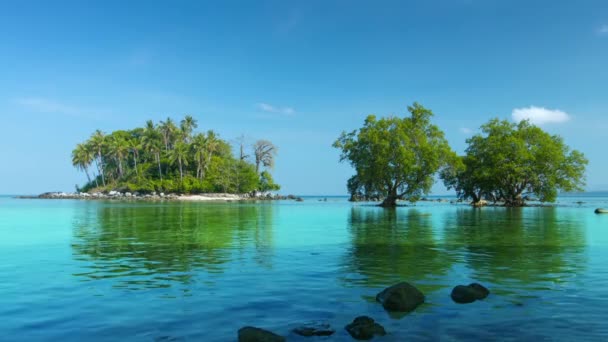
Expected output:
(111, 271)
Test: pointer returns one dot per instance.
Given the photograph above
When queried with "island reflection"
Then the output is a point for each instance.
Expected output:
(156, 245)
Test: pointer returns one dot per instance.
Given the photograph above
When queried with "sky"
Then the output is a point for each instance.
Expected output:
(297, 73)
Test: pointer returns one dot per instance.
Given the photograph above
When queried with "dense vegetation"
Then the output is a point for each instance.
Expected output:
(395, 158)
(509, 162)
(398, 158)
(170, 158)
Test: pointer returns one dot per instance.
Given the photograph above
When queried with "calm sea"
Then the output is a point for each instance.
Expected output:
(115, 271)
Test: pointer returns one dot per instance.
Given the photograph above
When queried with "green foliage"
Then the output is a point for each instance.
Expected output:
(394, 157)
(509, 161)
(267, 182)
(167, 158)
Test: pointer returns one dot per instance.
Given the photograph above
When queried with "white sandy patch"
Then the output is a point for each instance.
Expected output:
(210, 197)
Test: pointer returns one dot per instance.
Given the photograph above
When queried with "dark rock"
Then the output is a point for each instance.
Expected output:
(463, 294)
(364, 328)
(299, 199)
(481, 292)
(253, 334)
(314, 329)
(468, 294)
(601, 211)
(402, 297)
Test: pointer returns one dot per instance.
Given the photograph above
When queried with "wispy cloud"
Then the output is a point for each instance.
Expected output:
(49, 106)
(603, 30)
(466, 130)
(539, 115)
(268, 108)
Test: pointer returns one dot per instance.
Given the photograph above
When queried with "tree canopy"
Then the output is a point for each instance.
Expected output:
(395, 158)
(170, 158)
(509, 161)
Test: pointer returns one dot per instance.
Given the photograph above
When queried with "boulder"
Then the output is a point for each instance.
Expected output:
(601, 211)
(468, 294)
(402, 297)
(253, 334)
(314, 329)
(364, 328)
(480, 291)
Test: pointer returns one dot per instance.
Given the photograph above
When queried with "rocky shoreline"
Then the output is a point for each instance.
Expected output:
(154, 196)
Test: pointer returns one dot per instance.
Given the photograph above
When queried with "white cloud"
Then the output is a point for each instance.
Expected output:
(603, 30)
(539, 115)
(466, 130)
(44, 105)
(287, 111)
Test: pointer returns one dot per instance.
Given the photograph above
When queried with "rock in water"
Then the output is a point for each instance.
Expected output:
(463, 294)
(481, 292)
(253, 334)
(601, 211)
(314, 329)
(364, 328)
(468, 294)
(402, 297)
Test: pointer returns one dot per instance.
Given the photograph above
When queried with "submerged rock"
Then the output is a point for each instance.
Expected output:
(253, 334)
(468, 294)
(402, 297)
(601, 211)
(314, 329)
(364, 328)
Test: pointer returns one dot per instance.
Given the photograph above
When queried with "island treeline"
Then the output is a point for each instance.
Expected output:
(399, 158)
(173, 157)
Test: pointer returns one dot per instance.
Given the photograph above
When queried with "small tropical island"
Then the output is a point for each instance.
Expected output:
(172, 158)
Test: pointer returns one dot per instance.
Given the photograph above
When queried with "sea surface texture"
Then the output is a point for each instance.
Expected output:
(116, 271)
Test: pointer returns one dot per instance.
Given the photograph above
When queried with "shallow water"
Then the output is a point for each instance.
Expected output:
(106, 271)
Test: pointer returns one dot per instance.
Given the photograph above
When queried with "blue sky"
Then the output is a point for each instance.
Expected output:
(294, 72)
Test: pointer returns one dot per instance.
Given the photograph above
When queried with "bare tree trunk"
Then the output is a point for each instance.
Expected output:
(86, 171)
(120, 174)
(135, 161)
(181, 173)
(391, 199)
(103, 178)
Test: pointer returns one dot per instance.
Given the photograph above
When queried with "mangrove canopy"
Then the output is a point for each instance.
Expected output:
(395, 157)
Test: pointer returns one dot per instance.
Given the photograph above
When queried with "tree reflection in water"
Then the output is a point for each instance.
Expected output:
(155, 245)
(392, 245)
(528, 246)
(518, 248)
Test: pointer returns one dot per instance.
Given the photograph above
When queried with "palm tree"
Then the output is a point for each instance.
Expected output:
(212, 144)
(97, 142)
(264, 152)
(151, 142)
(199, 146)
(187, 125)
(135, 146)
(119, 148)
(179, 156)
(82, 157)
(168, 131)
